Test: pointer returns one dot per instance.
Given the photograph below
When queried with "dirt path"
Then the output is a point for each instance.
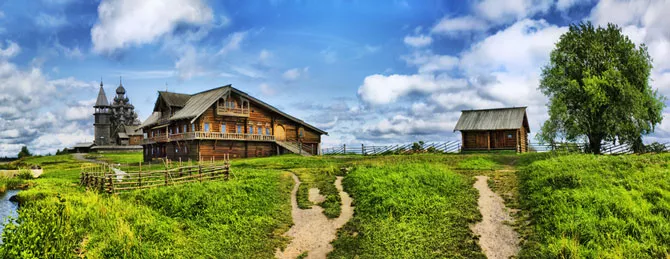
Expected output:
(312, 232)
(82, 157)
(497, 239)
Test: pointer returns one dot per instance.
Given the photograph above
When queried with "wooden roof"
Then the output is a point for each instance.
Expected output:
(196, 104)
(174, 99)
(102, 98)
(493, 119)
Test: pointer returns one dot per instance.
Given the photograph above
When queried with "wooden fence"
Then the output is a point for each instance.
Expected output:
(434, 147)
(455, 147)
(110, 179)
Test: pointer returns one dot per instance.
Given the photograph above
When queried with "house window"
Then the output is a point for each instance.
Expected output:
(223, 127)
(509, 136)
(176, 150)
(239, 128)
(251, 129)
(258, 130)
(170, 130)
(176, 128)
(185, 128)
(192, 127)
(267, 131)
(206, 126)
(301, 132)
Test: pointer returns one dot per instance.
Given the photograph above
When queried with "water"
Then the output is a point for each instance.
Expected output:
(7, 208)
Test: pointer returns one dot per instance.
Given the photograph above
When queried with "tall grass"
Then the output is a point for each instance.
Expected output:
(597, 207)
(409, 210)
(244, 217)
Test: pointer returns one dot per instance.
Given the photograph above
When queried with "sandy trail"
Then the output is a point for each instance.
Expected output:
(497, 239)
(312, 231)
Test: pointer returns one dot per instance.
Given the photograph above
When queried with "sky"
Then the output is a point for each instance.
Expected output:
(367, 72)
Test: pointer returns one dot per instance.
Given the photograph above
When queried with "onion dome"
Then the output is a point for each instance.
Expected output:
(120, 89)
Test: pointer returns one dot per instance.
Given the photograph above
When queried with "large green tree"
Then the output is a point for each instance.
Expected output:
(599, 89)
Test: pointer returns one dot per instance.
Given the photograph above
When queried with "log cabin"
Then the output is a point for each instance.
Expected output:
(494, 129)
(223, 121)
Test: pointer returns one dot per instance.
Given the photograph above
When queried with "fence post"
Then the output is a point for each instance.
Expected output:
(111, 185)
(166, 177)
(139, 177)
(200, 172)
(362, 149)
(344, 147)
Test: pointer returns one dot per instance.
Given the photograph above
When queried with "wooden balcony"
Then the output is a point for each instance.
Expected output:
(236, 112)
(208, 136)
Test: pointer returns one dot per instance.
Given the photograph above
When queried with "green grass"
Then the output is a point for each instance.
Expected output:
(244, 217)
(324, 180)
(478, 163)
(409, 210)
(597, 207)
(118, 158)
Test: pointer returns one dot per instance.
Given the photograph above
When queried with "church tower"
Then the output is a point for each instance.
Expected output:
(102, 116)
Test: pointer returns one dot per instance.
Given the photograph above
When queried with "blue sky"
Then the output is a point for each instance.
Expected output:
(374, 72)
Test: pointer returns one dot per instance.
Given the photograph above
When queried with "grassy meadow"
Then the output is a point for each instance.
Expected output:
(410, 206)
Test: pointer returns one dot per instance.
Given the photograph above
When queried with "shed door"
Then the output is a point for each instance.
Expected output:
(280, 133)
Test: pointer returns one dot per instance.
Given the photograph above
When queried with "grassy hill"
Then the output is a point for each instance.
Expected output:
(416, 206)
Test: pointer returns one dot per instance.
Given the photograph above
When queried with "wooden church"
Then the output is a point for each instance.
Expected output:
(494, 129)
(223, 121)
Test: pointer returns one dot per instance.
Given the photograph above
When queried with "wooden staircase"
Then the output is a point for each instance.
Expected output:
(293, 147)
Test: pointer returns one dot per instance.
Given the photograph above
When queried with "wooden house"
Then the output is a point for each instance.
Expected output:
(494, 129)
(224, 120)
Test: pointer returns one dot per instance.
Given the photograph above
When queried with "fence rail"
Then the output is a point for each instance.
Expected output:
(434, 147)
(455, 147)
(110, 179)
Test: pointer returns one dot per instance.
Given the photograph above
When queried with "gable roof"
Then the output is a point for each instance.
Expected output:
(132, 130)
(272, 108)
(174, 99)
(102, 98)
(493, 119)
(196, 104)
(151, 120)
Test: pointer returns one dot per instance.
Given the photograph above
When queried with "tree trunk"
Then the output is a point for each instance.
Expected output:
(594, 144)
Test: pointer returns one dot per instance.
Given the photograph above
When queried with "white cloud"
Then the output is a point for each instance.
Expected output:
(233, 42)
(295, 73)
(264, 56)
(33, 110)
(418, 41)
(453, 26)
(10, 51)
(523, 47)
(123, 23)
(564, 5)
(499, 12)
(188, 64)
(379, 89)
(49, 21)
(79, 112)
(248, 72)
(266, 89)
(428, 62)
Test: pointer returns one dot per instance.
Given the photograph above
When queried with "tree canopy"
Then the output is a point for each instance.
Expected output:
(24, 152)
(599, 89)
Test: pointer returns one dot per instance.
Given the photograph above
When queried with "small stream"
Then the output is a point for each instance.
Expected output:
(7, 209)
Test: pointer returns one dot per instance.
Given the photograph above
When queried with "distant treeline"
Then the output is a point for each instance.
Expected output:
(7, 159)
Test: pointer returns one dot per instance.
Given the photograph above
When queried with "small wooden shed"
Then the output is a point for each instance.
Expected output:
(494, 129)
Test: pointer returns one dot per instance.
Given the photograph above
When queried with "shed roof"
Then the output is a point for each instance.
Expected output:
(123, 135)
(493, 119)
